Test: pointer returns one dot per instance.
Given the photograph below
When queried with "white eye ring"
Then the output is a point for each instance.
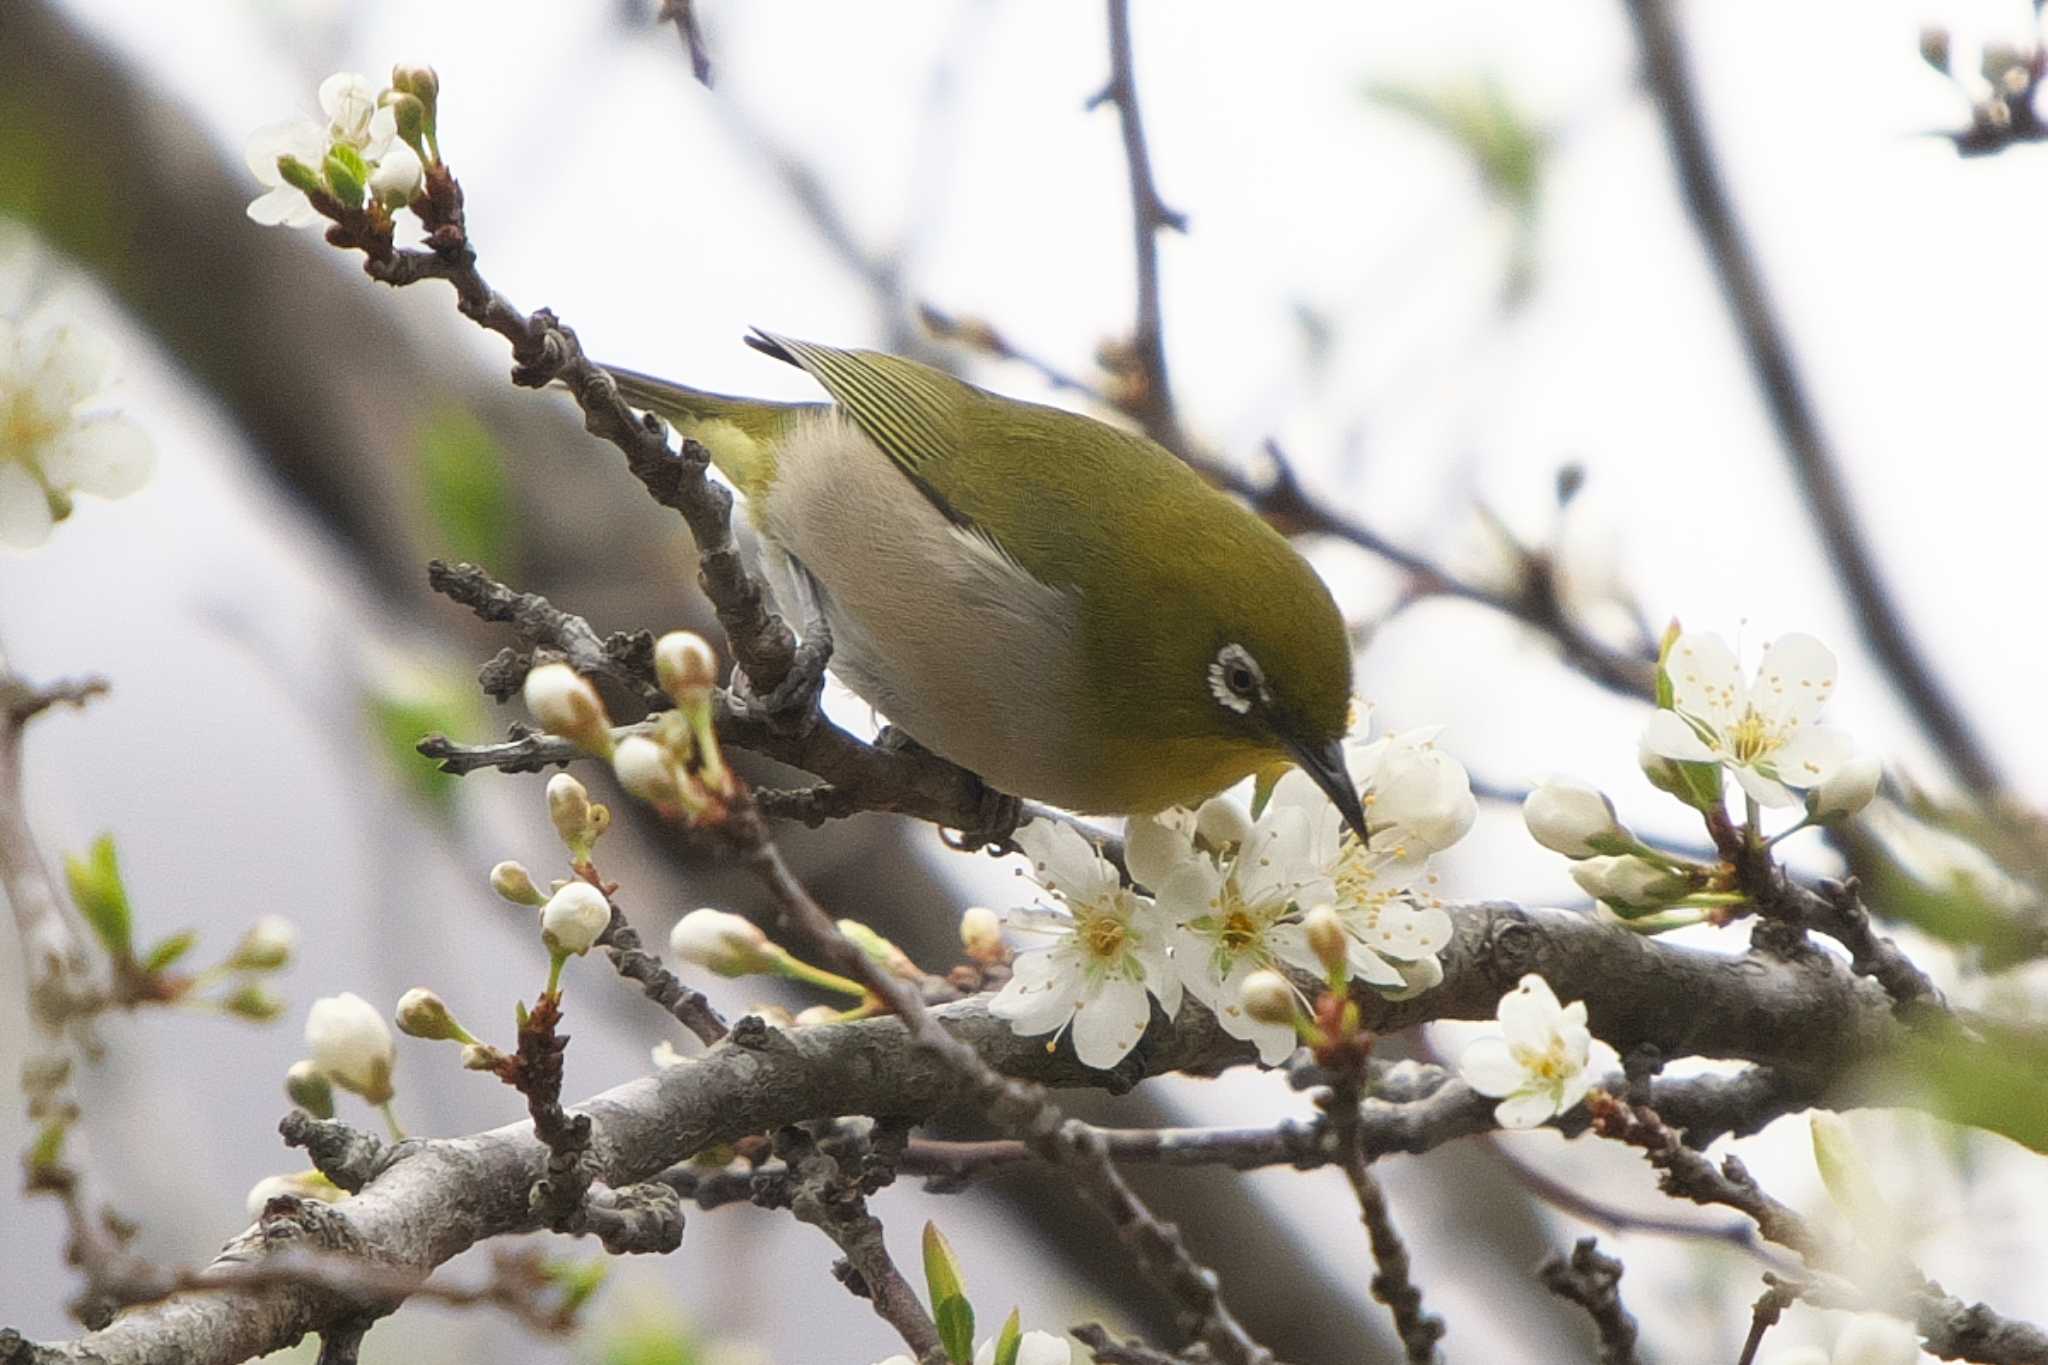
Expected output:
(1235, 679)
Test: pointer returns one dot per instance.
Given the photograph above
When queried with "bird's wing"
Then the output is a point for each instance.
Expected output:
(911, 411)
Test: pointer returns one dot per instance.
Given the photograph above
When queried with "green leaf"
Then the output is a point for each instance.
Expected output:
(950, 1309)
(413, 701)
(98, 892)
(1999, 1084)
(463, 489)
(955, 1317)
(346, 174)
(169, 950)
(1011, 1339)
(1505, 146)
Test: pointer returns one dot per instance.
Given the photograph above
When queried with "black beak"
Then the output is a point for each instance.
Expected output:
(1326, 766)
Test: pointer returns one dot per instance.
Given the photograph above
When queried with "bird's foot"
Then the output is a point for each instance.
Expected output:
(791, 704)
(996, 816)
(996, 819)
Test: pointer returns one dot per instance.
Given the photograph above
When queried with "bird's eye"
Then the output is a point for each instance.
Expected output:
(1235, 679)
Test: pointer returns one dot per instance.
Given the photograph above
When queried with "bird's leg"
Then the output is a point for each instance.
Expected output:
(791, 703)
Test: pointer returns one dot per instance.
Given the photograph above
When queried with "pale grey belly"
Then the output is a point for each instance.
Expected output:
(947, 639)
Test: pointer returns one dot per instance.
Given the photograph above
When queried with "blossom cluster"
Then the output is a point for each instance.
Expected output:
(372, 144)
(1712, 723)
(1219, 896)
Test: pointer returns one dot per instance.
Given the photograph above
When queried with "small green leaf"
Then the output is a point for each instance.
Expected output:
(464, 490)
(97, 891)
(168, 951)
(411, 702)
(1011, 1339)
(346, 174)
(955, 1318)
(950, 1309)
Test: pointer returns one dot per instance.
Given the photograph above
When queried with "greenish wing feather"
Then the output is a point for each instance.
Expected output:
(910, 410)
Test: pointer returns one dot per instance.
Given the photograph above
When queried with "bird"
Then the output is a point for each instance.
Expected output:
(1060, 606)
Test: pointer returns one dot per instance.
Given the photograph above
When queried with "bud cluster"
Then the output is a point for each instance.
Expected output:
(678, 768)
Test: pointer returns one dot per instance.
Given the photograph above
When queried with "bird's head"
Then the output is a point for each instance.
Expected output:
(1250, 669)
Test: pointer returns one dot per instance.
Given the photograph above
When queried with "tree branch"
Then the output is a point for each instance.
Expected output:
(1769, 348)
(1593, 1282)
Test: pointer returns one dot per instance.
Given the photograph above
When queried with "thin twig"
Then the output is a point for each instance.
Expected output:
(1592, 1280)
(1812, 456)
(689, 1007)
(1150, 399)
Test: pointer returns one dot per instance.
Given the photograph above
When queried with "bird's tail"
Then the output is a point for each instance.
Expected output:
(740, 433)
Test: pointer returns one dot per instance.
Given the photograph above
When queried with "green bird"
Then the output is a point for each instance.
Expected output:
(1061, 607)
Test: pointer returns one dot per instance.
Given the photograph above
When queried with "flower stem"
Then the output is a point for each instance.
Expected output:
(798, 970)
(555, 973)
(391, 1121)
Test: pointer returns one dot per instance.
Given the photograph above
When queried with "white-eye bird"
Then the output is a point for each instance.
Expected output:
(1062, 608)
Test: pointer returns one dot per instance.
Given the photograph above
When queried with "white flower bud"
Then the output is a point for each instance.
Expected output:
(398, 177)
(1268, 998)
(575, 818)
(1629, 882)
(573, 918)
(816, 1015)
(423, 1014)
(300, 1185)
(1664, 773)
(879, 949)
(686, 667)
(1220, 822)
(1423, 793)
(723, 943)
(644, 769)
(514, 883)
(351, 1045)
(307, 1086)
(566, 704)
(1324, 929)
(1846, 791)
(1570, 817)
(1872, 1339)
(981, 934)
(265, 947)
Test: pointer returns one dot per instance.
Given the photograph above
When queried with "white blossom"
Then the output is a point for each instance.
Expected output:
(1574, 818)
(1537, 1065)
(353, 118)
(49, 449)
(1418, 801)
(1241, 913)
(1765, 731)
(1106, 957)
(1629, 882)
(574, 918)
(1034, 1348)
(350, 1043)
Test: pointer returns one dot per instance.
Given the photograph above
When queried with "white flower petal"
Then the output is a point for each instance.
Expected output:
(349, 101)
(1527, 1109)
(1491, 1069)
(1529, 1013)
(25, 520)
(282, 207)
(1032, 1007)
(1572, 1088)
(71, 367)
(1276, 1042)
(1190, 892)
(1812, 755)
(381, 133)
(300, 138)
(1063, 861)
(1153, 848)
(1374, 970)
(108, 456)
(1706, 680)
(1767, 791)
(1794, 681)
(1668, 736)
(1108, 1026)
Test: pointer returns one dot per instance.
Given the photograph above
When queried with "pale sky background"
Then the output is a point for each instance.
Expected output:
(602, 182)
